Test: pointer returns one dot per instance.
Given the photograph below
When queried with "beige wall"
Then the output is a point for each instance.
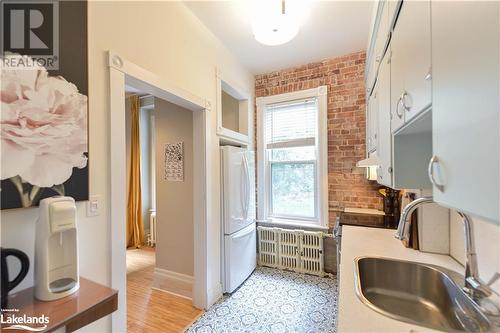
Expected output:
(163, 37)
(230, 112)
(174, 200)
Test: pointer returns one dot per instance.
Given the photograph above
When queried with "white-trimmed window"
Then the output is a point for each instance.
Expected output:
(292, 158)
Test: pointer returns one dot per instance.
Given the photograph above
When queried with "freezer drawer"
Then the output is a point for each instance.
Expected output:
(240, 257)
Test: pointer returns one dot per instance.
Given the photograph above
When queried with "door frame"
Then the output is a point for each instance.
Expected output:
(122, 72)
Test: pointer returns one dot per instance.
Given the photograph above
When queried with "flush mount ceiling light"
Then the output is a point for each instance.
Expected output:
(275, 22)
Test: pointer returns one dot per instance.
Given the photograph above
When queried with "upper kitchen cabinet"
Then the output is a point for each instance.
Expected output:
(382, 34)
(378, 43)
(410, 61)
(384, 140)
(465, 106)
(233, 110)
(371, 125)
(393, 9)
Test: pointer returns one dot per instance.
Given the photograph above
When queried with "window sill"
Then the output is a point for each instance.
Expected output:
(291, 224)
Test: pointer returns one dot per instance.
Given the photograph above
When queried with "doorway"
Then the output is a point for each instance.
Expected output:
(141, 203)
(155, 301)
(124, 73)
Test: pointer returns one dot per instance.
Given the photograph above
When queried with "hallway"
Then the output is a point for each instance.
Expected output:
(148, 309)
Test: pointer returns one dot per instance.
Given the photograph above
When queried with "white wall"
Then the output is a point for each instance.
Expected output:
(487, 238)
(167, 39)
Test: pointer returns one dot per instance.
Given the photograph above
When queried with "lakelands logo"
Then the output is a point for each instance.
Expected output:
(30, 28)
(10, 321)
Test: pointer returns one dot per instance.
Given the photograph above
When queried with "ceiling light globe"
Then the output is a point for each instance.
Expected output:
(276, 31)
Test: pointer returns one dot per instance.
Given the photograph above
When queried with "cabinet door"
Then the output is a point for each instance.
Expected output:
(412, 60)
(393, 8)
(382, 34)
(372, 120)
(465, 106)
(414, 23)
(397, 82)
(374, 117)
(368, 124)
(384, 143)
(372, 69)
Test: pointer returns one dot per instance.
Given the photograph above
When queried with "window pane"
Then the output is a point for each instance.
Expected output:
(293, 154)
(292, 189)
(291, 121)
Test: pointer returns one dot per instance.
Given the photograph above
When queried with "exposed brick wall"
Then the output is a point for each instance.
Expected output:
(344, 76)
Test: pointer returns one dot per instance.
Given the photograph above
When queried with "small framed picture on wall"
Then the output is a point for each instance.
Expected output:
(174, 162)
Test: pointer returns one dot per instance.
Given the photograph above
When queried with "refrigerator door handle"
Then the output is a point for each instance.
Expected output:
(247, 185)
(242, 189)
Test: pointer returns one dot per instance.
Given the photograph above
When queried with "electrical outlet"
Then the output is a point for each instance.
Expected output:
(93, 205)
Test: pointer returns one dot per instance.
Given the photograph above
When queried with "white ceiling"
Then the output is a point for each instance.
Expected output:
(330, 29)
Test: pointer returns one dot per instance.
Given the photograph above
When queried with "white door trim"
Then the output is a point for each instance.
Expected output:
(123, 72)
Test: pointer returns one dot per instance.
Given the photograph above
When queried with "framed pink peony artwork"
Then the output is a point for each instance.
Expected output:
(44, 102)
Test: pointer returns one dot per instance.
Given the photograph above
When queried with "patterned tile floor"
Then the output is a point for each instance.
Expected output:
(272, 300)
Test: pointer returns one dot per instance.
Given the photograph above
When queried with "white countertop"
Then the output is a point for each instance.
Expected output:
(364, 211)
(358, 211)
(353, 315)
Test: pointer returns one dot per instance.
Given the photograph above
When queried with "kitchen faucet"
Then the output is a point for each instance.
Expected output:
(481, 293)
(487, 299)
(403, 232)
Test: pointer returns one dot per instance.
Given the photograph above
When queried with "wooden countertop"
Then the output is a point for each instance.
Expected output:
(90, 303)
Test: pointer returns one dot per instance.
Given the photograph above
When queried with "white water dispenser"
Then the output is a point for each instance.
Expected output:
(56, 249)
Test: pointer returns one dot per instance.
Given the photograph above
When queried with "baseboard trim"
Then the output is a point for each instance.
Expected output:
(173, 282)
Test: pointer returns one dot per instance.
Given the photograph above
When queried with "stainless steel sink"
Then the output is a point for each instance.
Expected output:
(417, 293)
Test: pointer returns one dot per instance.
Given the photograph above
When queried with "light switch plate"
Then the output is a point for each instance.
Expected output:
(94, 205)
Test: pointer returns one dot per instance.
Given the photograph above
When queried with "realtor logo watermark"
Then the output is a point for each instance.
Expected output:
(30, 28)
(10, 319)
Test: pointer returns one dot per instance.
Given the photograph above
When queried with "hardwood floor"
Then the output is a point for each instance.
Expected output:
(151, 310)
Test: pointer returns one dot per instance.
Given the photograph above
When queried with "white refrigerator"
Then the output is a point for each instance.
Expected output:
(238, 216)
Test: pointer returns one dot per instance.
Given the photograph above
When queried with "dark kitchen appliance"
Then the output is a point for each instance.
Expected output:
(392, 208)
(8, 285)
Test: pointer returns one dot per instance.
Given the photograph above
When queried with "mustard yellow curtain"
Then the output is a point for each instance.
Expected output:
(135, 226)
